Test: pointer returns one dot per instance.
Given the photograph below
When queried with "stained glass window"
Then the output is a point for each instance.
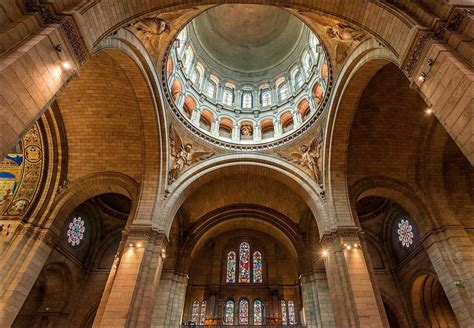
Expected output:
(405, 233)
(202, 319)
(195, 313)
(244, 263)
(230, 277)
(76, 230)
(291, 313)
(229, 312)
(257, 313)
(244, 312)
(284, 317)
(257, 267)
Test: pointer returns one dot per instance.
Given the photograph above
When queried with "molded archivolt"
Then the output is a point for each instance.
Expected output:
(240, 111)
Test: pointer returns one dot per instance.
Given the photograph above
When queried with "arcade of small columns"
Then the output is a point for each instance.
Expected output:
(127, 124)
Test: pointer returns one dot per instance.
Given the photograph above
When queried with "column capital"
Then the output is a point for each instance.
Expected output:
(38, 233)
(155, 237)
(341, 234)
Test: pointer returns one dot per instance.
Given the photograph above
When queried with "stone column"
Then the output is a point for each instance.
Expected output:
(316, 300)
(20, 266)
(277, 128)
(170, 297)
(236, 133)
(297, 120)
(451, 253)
(130, 293)
(215, 127)
(257, 132)
(353, 293)
(196, 116)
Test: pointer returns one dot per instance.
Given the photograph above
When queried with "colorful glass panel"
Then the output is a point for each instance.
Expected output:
(195, 313)
(291, 313)
(202, 319)
(75, 232)
(405, 233)
(244, 263)
(284, 316)
(230, 277)
(244, 312)
(257, 313)
(229, 313)
(257, 268)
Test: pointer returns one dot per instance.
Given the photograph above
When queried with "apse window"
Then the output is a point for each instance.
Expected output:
(75, 231)
(405, 232)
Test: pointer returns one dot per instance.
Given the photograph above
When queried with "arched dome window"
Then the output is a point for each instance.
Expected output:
(268, 129)
(188, 58)
(297, 78)
(181, 40)
(283, 89)
(265, 96)
(198, 72)
(247, 99)
(313, 43)
(211, 86)
(307, 61)
(228, 94)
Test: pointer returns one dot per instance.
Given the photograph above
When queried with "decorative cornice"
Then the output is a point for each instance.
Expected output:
(418, 48)
(340, 233)
(48, 16)
(38, 233)
(155, 237)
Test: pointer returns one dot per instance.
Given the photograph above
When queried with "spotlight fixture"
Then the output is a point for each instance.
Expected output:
(428, 111)
(131, 245)
(430, 62)
(139, 244)
(324, 253)
(348, 247)
(422, 77)
(67, 65)
(58, 48)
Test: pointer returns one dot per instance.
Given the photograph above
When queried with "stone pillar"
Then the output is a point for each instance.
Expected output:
(170, 297)
(451, 253)
(215, 127)
(20, 266)
(196, 116)
(220, 92)
(297, 120)
(257, 132)
(238, 98)
(277, 128)
(130, 293)
(353, 293)
(181, 99)
(316, 300)
(236, 133)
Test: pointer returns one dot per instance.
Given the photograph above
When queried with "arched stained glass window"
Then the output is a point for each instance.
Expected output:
(257, 268)
(229, 313)
(284, 315)
(243, 312)
(195, 77)
(291, 313)
(230, 277)
(202, 319)
(244, 263)
(257, 313)
(298, 79)
(195, 312)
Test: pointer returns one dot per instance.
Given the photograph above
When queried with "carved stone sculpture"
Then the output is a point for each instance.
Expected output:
(309, 157)
(152, 26)
(345, 36)
(183, 155)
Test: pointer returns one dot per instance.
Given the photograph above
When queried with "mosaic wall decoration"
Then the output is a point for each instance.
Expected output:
(20, 175)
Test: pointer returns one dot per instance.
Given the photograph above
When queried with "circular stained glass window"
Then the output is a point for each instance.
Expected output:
(75, 232)
(405, 233)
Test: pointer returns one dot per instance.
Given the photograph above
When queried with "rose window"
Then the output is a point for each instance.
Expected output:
(75, 232)
(405, 233)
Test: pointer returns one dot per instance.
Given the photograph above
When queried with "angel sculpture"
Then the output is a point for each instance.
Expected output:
(152, 26)
(345, 36)
(183, 155)
(308, 157)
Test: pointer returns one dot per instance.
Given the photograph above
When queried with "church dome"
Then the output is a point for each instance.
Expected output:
(247, 76)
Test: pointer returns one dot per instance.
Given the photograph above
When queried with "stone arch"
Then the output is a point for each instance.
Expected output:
(397, 191)
(430, 305)
(297, 180)
(365, 62)
(87, 187)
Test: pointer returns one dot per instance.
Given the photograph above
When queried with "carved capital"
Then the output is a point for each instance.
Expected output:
(38, 233)
(340, 235)
(152, 236)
